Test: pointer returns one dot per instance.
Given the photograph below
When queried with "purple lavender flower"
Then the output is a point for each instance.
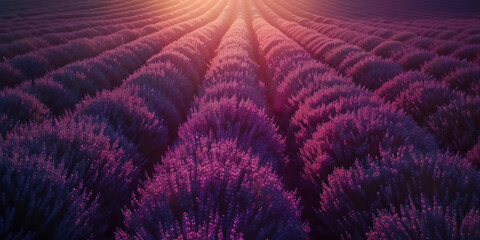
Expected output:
(456, 126)
(421, 99)
(465, 79)
(373, 72)
(130, 116)
(18, 107)
(39, 202)
(240, 120)
(426, 222)
(108, 167)
(442, 66)
(393, 88)
(351, 198)
(216, 185)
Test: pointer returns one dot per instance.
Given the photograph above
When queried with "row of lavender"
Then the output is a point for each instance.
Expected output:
(367, 169)
(70, 177)
(36, 63)
(408, 49)
(428, 11)
(59, 90)
(221, 180)
(16, 42)
(444, 24)
(73, 12)
(441, 94)
(417, 42)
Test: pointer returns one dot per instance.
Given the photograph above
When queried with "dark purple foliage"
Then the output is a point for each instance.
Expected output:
(421, 99)
(351, 199)
(178, 61)
(213, 189)
(422, 43)
(129, 115)
(473, 156)
(231, 64)
(105, 70)
(468, 52)
(426, 222)
(229, 111)
(446, 48)
(303, 76)
(306, 120)
(82, 79)
(442, 66)
(281, 71)
(52, 94)
(231, 89)
(330, 94)
(165, 78)
(415, 60)
(39, 202)
(286, 55)
(393, 88)
(312, 84)
(327, 47)
(278, 52)
(32, 66)
(242, 76)
(9, 76)
(383, 33)
(106, 167)
(369, 42)
(351, 60)
(386, 49)
(373, 72)
(19, 107)
(456, 126)
(445, 34)
(241, 120)
(185, 58)
(403, 36)
(37, 63)
(158, 104)
(335, 57)
(465, 79)
(353, 137)
(474, 39)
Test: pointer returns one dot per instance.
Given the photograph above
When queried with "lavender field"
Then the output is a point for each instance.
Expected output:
(239, 119)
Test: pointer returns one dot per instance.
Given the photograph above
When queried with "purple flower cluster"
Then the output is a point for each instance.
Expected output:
(39, 202)
(388, 183)
(87, 155)
(61, 89)
(341, 133)
(220, 180)
(211, 188)
(428, 222)
(102, 148)
(30, 39)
